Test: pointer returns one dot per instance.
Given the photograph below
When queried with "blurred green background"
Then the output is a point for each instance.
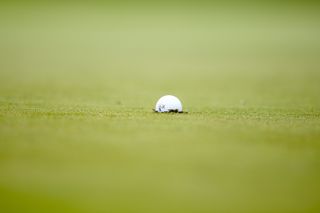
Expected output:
(78, 82)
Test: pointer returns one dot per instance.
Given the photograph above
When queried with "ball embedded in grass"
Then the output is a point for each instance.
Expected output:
(168, 103)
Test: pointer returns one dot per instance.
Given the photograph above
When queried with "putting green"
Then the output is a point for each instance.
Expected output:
(77, 88)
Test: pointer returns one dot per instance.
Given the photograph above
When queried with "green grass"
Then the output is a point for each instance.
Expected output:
(77, 88)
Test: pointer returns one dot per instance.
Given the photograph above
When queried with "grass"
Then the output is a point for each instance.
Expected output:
(77, 88)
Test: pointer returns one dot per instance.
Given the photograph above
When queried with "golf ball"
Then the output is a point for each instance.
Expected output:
(168, 103)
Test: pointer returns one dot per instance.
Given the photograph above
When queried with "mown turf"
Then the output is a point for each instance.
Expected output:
(77, 88)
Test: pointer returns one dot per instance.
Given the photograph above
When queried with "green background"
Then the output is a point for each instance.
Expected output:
(78, 82)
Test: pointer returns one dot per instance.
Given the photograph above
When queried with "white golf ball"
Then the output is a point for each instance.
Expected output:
(168, 103)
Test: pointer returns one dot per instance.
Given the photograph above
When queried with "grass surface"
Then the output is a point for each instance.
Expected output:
(77, 88)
